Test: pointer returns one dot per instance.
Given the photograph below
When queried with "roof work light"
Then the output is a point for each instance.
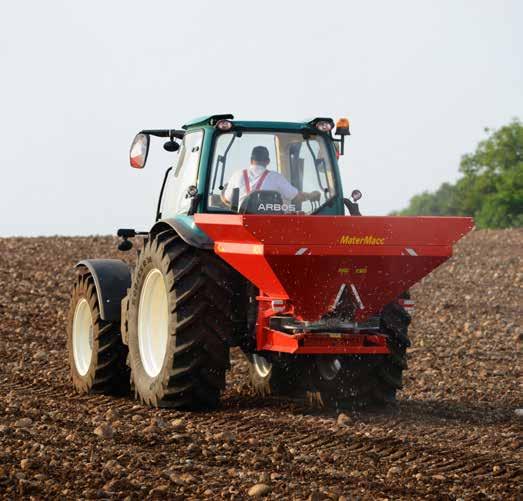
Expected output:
(324, 126)
(224, 125)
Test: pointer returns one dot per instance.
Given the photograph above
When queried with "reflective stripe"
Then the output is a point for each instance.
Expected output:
(357, 296)
(338, 296)
(246, 181)
(258, 185)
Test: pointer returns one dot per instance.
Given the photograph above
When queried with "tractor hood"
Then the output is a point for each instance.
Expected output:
(310, 260)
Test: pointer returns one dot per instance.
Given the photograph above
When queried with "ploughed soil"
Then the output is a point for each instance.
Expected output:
(456, 432)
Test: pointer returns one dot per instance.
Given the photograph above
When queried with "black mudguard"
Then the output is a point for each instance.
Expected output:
(112, 278)
(186, 229)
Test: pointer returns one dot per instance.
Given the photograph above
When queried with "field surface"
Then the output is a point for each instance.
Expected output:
(455, 433)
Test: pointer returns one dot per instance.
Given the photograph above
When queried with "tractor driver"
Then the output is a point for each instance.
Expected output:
(257, 177)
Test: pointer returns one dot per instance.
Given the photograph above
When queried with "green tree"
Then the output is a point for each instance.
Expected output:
(442, 202)
(491, 188)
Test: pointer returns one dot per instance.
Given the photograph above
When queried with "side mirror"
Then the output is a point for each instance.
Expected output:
(352, 205)
(171, 146)
(125, 245)
(139, 150)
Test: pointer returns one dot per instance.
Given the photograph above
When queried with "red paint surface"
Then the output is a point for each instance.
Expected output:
(263, 249)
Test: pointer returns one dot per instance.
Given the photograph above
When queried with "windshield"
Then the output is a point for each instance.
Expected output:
(270, 172)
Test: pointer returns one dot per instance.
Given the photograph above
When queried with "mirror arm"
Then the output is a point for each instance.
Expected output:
(126, 233)
(171, 133)
(354, 208)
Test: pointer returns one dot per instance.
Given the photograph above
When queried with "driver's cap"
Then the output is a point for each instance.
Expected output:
(260, 154)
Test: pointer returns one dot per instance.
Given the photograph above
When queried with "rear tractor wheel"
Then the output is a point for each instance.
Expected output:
(181, 316)
(96, 352)
(359, 380)
(278, 375)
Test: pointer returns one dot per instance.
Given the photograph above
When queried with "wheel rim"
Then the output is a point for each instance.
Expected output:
(261, 365)
(153, 323)
(329, 367)
(82, 336)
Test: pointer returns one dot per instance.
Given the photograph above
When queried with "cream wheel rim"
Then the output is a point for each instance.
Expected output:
(153, 323)
(82, 336)
(261, 365)
(329, 367)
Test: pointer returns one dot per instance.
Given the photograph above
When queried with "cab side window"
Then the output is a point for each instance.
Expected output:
(182, 175)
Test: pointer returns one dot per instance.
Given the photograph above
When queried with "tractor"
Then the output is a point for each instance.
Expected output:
(251, 248)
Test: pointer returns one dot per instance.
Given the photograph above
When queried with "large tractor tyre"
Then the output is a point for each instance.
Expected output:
(96, 353)
(362, 380)
(395, 323)
(278, 376)
(182, 313)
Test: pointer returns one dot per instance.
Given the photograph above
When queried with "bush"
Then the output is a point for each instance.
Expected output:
(491, 188)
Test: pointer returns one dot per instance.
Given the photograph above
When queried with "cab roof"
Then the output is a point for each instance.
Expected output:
(211, 120)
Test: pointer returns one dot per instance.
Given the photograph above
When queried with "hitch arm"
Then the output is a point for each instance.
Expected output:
(179, 134)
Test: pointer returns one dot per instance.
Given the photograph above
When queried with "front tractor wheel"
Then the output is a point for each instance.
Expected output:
(153, 322)
(180, 316)
(96, 352)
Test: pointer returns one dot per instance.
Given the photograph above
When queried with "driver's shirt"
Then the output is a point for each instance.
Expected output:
(272, 181)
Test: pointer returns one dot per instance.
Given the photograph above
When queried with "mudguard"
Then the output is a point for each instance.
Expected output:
(187, 229)
(112, 278)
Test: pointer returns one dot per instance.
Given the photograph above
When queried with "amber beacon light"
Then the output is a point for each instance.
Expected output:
(342, 130)
(342, 127)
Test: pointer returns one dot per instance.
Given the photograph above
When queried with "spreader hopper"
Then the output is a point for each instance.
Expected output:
(311, 260)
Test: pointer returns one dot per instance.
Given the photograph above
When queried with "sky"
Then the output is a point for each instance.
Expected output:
(419, 81)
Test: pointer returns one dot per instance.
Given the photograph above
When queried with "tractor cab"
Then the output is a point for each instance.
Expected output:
(226, 166)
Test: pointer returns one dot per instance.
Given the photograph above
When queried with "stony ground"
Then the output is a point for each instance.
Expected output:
(455, 433)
